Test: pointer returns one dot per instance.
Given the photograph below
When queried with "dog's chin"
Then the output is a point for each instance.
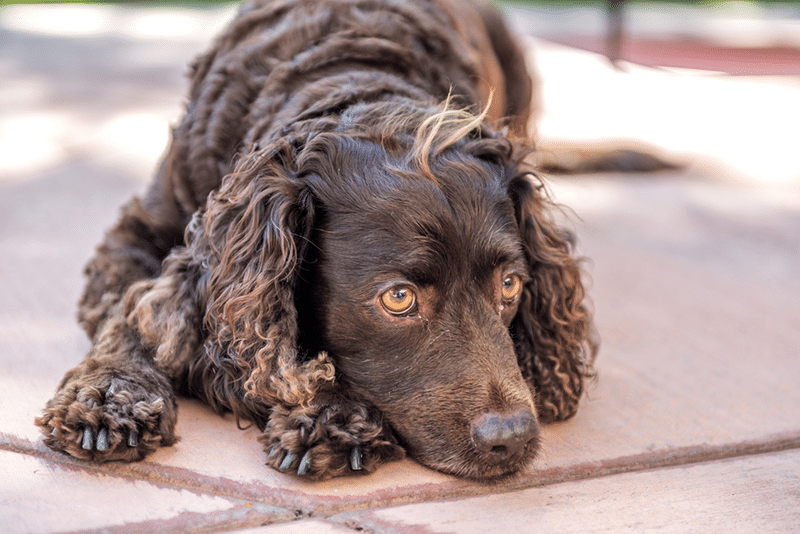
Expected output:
(480, 471)
(484, 473)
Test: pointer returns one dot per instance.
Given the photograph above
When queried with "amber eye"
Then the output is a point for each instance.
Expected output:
(399, 300)
(511, 287)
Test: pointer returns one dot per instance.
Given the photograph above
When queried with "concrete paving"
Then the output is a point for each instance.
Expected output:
(693, 424)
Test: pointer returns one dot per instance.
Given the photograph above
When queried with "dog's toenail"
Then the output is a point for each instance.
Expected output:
(287, 462)
(87, 443)
(54, 432)
(133, 439)
(355, 459)
(102, 440)
(305, 464)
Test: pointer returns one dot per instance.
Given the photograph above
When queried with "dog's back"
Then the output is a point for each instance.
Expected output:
(282, 65)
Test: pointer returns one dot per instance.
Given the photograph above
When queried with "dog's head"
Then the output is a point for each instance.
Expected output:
(418, 253)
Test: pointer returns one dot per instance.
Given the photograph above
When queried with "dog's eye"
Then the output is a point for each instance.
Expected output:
(511, 288)
(399, 300)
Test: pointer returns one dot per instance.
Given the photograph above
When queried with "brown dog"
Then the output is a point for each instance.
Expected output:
(340, 249)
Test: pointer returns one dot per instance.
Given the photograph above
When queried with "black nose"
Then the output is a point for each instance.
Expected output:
(504, 437)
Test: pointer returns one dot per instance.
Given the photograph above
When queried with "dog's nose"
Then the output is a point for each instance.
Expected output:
(504, 437)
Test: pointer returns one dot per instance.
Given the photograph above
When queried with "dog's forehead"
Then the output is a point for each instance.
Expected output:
(365, 175)
(411, 224)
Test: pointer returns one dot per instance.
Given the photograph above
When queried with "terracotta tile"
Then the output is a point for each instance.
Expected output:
(41, 496)
(749, 494)
(694, 289)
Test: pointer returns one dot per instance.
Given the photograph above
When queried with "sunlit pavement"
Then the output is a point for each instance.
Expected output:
(693, 422)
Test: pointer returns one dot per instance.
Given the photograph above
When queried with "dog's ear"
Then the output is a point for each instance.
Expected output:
(553, 332)
(255, 230)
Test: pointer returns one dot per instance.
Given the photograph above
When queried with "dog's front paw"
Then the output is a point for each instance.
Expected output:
(325, 442)
(104, 418)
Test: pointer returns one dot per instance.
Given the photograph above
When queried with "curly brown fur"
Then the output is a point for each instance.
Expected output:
(335, 155)
(553, 331)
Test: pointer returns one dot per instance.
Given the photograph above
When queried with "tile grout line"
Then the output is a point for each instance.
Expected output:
(320, 506)
(245, 513)
(667, 458)
(193, 523)
(175, 477)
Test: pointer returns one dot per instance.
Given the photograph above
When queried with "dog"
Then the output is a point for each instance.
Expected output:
(345, 246)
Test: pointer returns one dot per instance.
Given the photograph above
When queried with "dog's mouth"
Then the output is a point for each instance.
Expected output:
(473, 467)
(482, 471)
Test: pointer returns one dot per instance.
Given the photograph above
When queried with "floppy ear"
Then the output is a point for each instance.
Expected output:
(251, 242)
(553, 332)
(233, 284)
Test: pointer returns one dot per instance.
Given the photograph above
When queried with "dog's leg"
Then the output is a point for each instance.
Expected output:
(334, 435)
(148, 229)
(128, 253)
(115, 405)
(119, 403)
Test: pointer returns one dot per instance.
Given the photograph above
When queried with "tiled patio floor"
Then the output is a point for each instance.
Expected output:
(693, 424)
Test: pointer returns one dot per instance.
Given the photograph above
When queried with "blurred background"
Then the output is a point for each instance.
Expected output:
(713, 84)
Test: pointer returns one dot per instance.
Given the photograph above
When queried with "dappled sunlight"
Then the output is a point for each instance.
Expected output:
(131, 139)
(87, 20)
(76, 20)
(743, 23)
(113, 106)
(18, 155)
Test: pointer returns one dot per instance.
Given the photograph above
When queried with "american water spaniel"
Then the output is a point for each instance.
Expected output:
(345, 246)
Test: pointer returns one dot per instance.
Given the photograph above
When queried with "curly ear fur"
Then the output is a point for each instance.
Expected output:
(256, 228)
(234, 282)
(553, 330)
